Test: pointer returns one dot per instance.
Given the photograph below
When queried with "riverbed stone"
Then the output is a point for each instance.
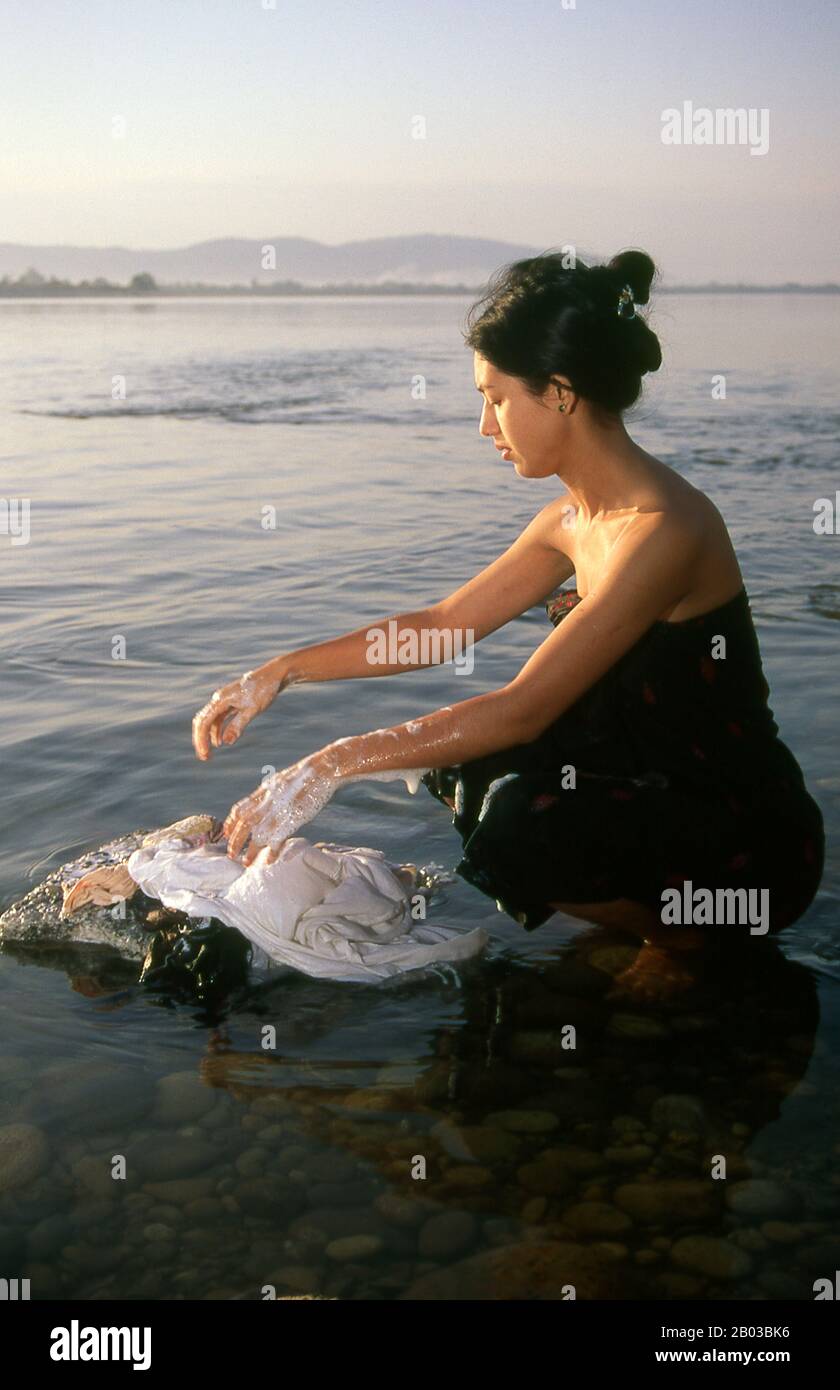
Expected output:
(446, 1235)
(24, 1155)
(359, 1247)
(406, 1212)
(596, 1219)
(48, 1236)
(712, 1256)
(760, 1199)
(546, 1176)
(160, 1158)
(523, 1121)
(637, 1027)
(182, 1098)
(180, 1191)
(685, 1113)
(524, 1271)
(539, 1047)
(670, 1201)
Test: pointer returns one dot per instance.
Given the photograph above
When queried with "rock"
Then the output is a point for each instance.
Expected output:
(547, 1176)
(43, 1280)
(273, 1106)
(577, 1159)
(331, 1166)
(360, 1247)
(488, 1145)
(446, 1235)
(712, 1256)
(628, 1125)
(157, 1231)
(12, 1249)
(24, 1155)
(824, 1256)
(613, 1250)
(776, 1283)
(161, 1158)
(673, 1285)
(629, 1155)
(466, 1179)
(540, 1047)
(406, 1212)
(90, 1098)
(541, 1270)
(252, 1163)
(273, 1197)
(534, 1210)
(334, 1223)
(758, 1199)
(502, 1230)
(47, 1238)
(684, 1113)
(451, 1140)
(181, 1190)
(371, 1098)
(182, 1097)
(638, 1027)
(596, 1219)
(693, 1023)
(523, 1121)
(341, 1194)
(94, 1175)
(290, 1156)
(613, 960)
(751, 1240)
(782, 1232)
(94, 1259)
(670, 1201)
(305, 1278)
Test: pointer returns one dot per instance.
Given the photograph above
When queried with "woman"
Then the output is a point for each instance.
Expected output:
(635, 752)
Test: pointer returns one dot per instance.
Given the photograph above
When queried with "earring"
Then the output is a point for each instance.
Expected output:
(561, 406)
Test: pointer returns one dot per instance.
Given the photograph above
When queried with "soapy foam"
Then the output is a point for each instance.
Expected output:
(294, 796)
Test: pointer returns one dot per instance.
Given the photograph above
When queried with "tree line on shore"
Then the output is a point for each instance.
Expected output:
(33, 285)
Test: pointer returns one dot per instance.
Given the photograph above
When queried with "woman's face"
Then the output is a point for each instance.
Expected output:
(531, 428)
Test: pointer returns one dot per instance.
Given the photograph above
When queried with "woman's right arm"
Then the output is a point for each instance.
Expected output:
(519, 578)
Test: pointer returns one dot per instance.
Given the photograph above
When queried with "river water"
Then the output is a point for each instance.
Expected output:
(251, 1168)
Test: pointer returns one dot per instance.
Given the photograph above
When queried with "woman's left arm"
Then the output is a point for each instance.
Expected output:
(649, 569)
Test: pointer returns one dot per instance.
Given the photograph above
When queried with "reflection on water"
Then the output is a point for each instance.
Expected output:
(567, 1139)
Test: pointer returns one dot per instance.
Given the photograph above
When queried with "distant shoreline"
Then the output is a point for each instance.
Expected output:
(61, 289)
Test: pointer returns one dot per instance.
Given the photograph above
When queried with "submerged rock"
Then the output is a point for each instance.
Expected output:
(757, 1199)
(523, 1271)
(24, 1155)
(670, 1201)
(713, 1256)
(448, 1234)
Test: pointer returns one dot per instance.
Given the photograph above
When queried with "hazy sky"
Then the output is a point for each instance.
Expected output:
(543, 125)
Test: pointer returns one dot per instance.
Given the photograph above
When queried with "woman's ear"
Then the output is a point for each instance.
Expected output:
(566, 397)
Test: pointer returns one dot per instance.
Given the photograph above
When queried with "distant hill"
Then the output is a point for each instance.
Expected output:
(429, 259)
(234, 265)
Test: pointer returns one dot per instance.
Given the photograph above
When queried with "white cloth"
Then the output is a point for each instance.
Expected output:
(333, 911)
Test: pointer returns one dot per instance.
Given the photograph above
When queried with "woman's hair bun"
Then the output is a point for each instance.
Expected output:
(542, 317)
(636, 269)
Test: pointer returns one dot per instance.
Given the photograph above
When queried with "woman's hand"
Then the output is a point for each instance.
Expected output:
(238, 702)
(279, 806)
